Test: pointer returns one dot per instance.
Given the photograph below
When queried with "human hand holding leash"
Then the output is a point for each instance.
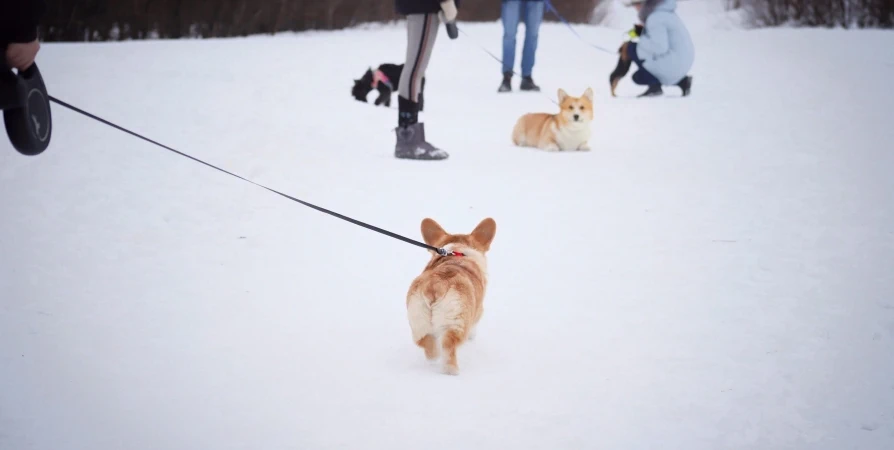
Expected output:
(21, 55)
(448, 14)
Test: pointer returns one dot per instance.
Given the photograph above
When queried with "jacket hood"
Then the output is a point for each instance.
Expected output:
(651, 6)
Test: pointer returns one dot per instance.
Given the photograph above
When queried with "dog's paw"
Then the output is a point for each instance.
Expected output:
(432, 354)
(450, 369)
(472, 334)
(551, 148)
(584, 147)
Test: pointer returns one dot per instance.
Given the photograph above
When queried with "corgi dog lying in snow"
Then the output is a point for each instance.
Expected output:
(445, 301)
(569, 129)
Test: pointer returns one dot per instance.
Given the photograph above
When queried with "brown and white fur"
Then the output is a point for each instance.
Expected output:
(446, 301)
(569, 129)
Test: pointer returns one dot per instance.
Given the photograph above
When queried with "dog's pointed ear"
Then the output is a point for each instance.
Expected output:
(432, 231)
(589, 94)
(562, 95)
(484, 233)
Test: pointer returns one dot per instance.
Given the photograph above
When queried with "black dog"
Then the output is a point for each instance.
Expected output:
(385, 80)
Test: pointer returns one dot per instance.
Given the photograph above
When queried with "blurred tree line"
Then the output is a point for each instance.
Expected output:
(818, 13)
(112, 20)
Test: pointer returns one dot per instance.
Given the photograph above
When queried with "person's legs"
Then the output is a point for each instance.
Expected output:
(643, 76)
(422, 31)
(533, 18)
(510, 15)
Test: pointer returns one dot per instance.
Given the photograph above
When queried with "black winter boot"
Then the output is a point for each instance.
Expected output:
(411, 143)
(653, 91)
(506, 85)
(527, 84)
(685, 84)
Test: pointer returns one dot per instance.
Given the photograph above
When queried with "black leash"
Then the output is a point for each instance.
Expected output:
(440, 251)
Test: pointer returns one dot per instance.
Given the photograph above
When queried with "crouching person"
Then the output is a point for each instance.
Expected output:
(664, 52)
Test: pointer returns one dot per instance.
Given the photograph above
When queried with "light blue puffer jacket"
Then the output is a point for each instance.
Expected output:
(665, 45)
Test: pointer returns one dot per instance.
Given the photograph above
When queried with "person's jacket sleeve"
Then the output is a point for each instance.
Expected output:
(19, 20)
(419, 6)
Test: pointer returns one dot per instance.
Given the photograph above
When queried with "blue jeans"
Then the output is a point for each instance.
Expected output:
(641, 76)
(511, 15)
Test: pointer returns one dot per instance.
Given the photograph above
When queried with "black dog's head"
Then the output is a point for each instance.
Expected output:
(363, 86)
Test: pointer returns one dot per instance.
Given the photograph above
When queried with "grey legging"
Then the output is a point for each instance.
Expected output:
(422, 30)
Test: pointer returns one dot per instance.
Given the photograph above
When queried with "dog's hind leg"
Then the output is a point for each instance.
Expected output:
(449, 342)
(621, 69)
(449, 320)
(384, 97)
(420, 316)
(518, 134)
(430, 345)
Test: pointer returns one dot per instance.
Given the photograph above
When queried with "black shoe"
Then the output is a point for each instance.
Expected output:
(685, 84)
(527, 84)
(506, 85)
(653, 91)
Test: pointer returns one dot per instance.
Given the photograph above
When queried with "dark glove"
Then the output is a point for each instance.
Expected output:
(635, 32)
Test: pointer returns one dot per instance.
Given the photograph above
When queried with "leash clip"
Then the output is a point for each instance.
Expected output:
(444, 252)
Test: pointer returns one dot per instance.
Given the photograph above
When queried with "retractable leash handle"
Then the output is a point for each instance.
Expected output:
(452, 31)
(26, 109)
(448, 15)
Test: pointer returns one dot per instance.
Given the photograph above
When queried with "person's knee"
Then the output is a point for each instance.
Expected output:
(531, 34)
(643, 77)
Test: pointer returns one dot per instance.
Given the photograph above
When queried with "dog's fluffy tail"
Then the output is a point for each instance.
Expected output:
(437, 318)
(448, 315)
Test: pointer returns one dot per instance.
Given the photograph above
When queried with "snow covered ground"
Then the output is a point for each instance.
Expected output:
(715, 274)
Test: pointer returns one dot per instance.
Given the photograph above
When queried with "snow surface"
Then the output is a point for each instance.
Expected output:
(715, 274)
